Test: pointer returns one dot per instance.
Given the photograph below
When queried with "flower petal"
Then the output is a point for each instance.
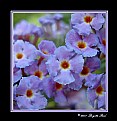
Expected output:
(46, 45)
(23, 102)
(60, 98)
(72, 37)
(18, 46)
(77, 18)
(101, 100)
(93, 63)
(17, 76)
(89, 52)
(93, 80)
(83, 29)
(63, 53)
(98, 21)
(91, 96)
(77, 84)
(39, 102)
(77, 63)
(52, 65)
(64, 77)
(32, 68)
(91, 40)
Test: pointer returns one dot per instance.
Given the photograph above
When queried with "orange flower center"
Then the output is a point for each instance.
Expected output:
(104, 42)
(99, 90)
(65, 64)
(45, 52)
(87, 19)
(85, 71)
(38, 74)
(19, 55)
(58, 86)
(81, 44)
(29, 93)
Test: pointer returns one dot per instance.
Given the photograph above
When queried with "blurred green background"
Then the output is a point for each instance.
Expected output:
(33, 17)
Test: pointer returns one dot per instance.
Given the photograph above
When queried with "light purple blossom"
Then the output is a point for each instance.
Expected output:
(22, 28)
(55, 90)
(46, 48)
(28, 95)
(38, 70)
(24, 53)
(82, 46)
(62, 63)
(91, 64)
(82, 22)
(96, 95)
(77, 84)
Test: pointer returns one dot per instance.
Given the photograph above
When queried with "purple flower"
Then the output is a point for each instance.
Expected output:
(24, 31)
(46, 48)
(82, 46)
(102, 40)
(47, 22)
(77, 84)
(98, 21)
(62, 63)
(78, 99)
(24, 53)
(37, 30)
(48, 86)
(57, 16)
(22, 28)
(91, 64)
(28, 95)
(83, 22)
(96, 95)
(55, 90)
(17, 74)
(47, 19)
(38, 70)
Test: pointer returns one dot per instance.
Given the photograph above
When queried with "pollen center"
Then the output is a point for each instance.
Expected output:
(65, 64)
(19, 55)
(45, 52)
(99, 90)
(87, 19)
(104, 42)
(38, 74)
(29, 93)
(81, 44)
(58, 86)
(85, 70)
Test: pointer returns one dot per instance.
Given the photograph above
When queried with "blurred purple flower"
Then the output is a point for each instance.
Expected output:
(57, 16)
(22, 28)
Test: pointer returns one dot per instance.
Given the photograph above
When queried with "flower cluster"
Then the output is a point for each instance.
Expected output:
(47, 69)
